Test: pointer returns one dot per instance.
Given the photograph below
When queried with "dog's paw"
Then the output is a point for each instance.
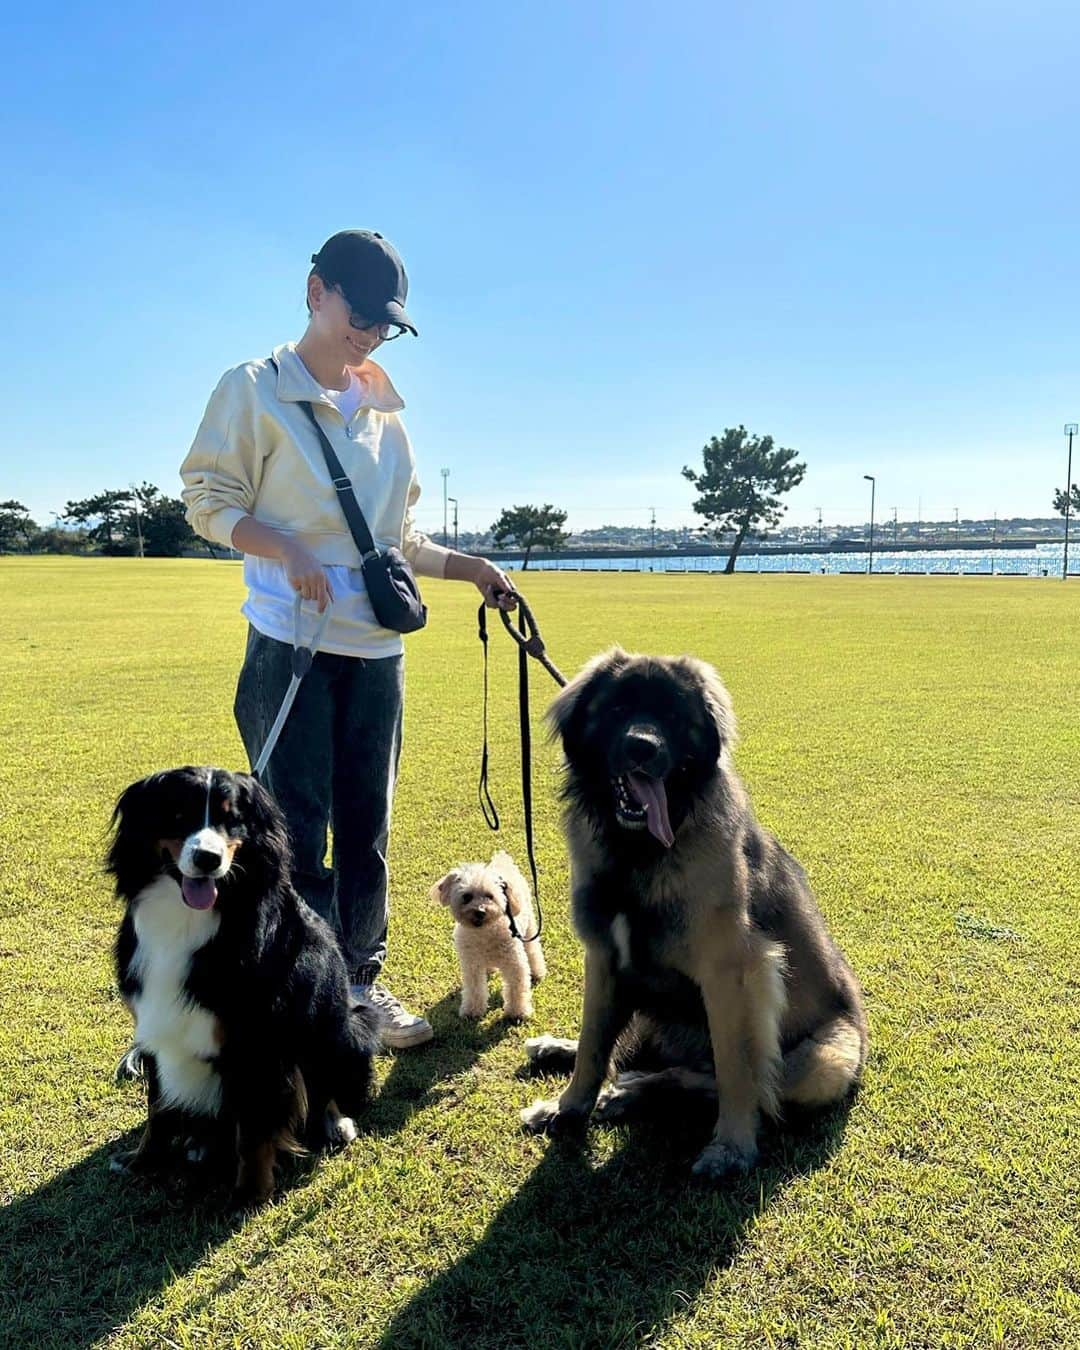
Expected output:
(472, 1012)
(136, 1163)
(250, 1197)
(540, 1117)
(721, 1161)
(130, 1069)
(544, 1052)
(518, 1014)
(340, 1133)
(618, 1100)
(547, 1117)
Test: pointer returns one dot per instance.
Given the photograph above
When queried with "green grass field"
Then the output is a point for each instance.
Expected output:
(914, 741)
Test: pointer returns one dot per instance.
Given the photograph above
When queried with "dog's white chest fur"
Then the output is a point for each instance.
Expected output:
(180, 1035)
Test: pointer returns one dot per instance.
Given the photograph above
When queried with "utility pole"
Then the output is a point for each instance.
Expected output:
(1070, 431)
(818, 509)
(445, 531)
(653, 524)
(454, 500)
(895, 526)
(956, 516)
(873, 487)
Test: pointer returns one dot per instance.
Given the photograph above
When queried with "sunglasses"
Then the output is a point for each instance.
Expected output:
(387, 331)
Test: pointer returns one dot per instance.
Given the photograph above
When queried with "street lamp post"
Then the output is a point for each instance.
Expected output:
(454, 500)
(1070, 431)
(873, 486)
(445, 533)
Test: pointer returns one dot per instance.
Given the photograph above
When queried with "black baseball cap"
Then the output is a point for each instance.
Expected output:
(370, 274)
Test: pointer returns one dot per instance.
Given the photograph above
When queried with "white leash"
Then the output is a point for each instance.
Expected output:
(302, 657)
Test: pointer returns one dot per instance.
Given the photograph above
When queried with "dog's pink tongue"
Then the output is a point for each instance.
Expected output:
(198, 892)
(652, 795)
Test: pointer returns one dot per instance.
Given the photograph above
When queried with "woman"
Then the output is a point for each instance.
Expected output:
(256, 480)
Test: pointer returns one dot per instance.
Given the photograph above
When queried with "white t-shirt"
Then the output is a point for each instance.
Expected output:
(347, 400)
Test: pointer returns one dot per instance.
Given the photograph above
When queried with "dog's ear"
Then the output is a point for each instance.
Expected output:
(513, 897)
(130, 803)
(268, 833)
(517, 888)
(717, 700)
(442, 890)
(133, 848)
(565, 714)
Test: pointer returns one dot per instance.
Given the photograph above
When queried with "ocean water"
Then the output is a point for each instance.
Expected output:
(1043, 560)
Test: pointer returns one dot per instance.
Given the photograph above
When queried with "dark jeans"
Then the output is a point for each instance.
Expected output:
(335, 764)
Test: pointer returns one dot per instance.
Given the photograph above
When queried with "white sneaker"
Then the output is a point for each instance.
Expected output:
(401, 1029)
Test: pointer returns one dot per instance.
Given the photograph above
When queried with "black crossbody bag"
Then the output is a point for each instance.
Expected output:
(391, 584)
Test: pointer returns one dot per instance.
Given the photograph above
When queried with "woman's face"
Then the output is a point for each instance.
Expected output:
(330, 321)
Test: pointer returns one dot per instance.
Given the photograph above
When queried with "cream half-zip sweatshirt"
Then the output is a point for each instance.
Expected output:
(256, 454)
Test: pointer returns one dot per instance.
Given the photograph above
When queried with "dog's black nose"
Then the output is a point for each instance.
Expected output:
(478, 918)
(643, 746)
(206, 861)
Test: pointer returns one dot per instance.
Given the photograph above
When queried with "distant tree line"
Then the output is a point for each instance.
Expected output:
(740, 486)
(124, 522)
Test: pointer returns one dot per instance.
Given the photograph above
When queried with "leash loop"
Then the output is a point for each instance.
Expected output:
(487, 806)
(528, 637)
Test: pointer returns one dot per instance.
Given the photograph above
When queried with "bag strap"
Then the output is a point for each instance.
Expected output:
(354, 517)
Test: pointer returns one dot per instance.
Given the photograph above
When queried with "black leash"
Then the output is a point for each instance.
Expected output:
(530, 643)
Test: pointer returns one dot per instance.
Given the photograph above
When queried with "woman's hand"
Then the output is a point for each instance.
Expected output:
(306, 574)
(491, 581)
(494, 585)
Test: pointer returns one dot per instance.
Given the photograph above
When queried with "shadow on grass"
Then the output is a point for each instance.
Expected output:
(582, 1255)
(420, 1077)
(604, 1255)
(81, 1253)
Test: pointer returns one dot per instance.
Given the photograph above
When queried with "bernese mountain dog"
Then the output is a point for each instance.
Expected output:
(249, 1040)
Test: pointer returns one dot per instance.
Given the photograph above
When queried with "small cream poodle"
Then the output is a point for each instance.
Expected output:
(482, 897)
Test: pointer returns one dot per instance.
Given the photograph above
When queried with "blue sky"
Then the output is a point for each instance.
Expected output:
(627, 226)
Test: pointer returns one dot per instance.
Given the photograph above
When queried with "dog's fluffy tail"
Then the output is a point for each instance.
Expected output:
(365, 1026)
(359, 1043)
(823, 1068)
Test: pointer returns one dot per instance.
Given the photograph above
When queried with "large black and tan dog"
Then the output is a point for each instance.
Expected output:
(239, 993)
(708, 966)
